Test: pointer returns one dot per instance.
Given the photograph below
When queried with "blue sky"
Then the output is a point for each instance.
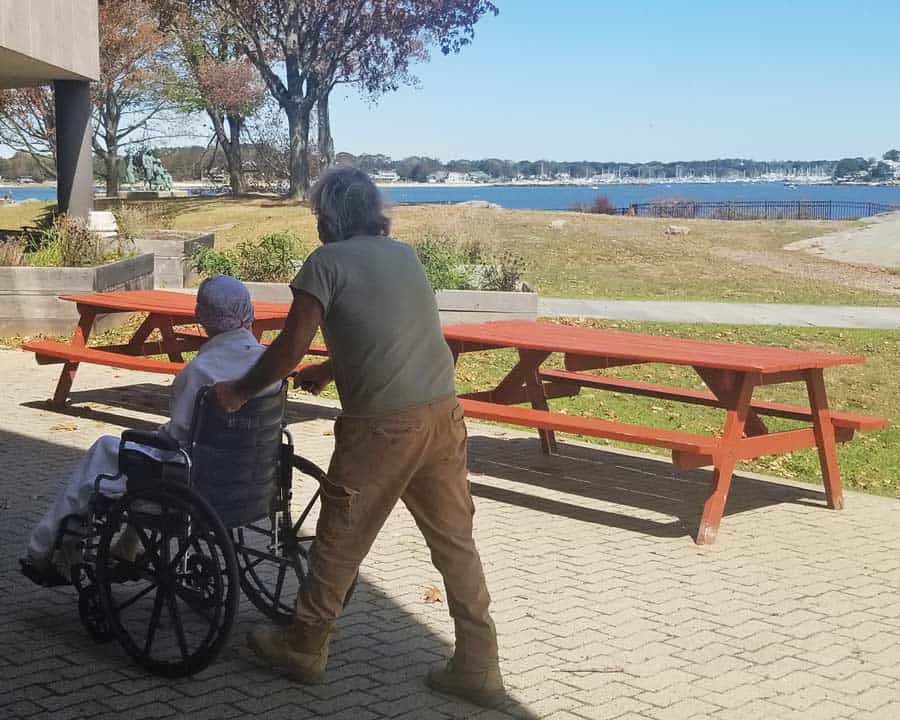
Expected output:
(650, 80)
(647, 80)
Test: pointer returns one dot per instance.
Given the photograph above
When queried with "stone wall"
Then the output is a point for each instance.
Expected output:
(171, 250)
(29, 302)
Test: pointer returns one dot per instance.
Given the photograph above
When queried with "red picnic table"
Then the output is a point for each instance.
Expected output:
(730, 371)
(170, 313)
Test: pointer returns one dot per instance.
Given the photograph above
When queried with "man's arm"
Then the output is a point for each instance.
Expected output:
(280, 358)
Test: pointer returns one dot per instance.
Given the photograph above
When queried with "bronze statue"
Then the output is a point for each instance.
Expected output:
(145, 165)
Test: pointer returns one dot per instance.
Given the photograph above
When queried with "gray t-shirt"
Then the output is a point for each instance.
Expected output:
(381, 325)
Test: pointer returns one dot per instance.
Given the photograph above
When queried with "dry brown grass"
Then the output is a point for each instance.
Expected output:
(590, 256)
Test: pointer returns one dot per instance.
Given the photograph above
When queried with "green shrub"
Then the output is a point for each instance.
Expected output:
(504, 274)
(274, 258)
(452, 265)
(207, 261)
(443, 261)
(67, 242)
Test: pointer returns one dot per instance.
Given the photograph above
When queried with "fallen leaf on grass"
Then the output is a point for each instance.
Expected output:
(433, 595)
(64, 428)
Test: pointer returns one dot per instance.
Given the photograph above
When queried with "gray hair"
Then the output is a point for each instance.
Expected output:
(347, 203)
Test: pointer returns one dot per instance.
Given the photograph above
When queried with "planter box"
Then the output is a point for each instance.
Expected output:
(455, 306)
(474, 306)
(171, 249)
(29, 302)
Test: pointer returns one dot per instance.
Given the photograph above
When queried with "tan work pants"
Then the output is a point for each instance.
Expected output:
(419, 456)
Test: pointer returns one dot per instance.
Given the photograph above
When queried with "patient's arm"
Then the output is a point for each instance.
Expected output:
(280, 358)
(182, 396)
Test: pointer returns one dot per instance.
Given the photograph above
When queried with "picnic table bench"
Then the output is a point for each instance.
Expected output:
(730, 371)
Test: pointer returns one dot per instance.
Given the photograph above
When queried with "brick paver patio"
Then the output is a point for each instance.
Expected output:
(605, 607)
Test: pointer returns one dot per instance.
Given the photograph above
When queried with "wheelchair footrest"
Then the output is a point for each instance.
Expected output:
(49, 577)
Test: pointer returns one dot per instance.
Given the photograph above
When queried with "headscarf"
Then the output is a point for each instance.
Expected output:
(223, 304)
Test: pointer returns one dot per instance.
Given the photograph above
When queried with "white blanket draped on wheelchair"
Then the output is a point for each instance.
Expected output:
(101, 460)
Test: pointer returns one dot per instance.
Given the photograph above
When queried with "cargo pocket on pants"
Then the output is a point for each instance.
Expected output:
(337, 506)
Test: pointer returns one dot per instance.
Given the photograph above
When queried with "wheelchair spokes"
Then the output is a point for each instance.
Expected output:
(272, 566)
(177, 602)
(272, 553)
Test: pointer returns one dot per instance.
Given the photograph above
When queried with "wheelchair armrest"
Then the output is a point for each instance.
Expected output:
(151, 439)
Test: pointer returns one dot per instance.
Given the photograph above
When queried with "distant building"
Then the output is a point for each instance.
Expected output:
(57, 42)
(894, 166)
(563, 176)
(438, 177)
(456, 177)
(478, 176)
(385, 176)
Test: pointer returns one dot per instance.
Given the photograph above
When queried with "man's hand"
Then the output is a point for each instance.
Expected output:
(314, 378)
(229, 397)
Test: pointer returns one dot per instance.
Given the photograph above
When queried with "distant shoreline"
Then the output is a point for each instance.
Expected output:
(182, 184)
(601, 185)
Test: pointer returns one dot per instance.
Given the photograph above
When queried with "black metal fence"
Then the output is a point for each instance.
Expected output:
(759, 209)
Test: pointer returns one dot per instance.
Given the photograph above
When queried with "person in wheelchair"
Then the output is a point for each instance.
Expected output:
(401, 434)
(225, 311)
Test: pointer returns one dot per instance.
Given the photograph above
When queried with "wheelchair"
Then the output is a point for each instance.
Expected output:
(215, 517)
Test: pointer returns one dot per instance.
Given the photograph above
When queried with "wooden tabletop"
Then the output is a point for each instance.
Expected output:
(594, 342)
(164, 302)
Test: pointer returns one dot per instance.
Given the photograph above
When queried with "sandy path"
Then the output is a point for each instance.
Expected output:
(877, 244)
(863, 276)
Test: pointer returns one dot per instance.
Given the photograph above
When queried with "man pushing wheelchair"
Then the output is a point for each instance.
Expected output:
(401, 436)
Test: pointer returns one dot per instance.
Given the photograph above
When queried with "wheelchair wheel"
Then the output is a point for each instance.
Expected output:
(273, 553)
(172, 608)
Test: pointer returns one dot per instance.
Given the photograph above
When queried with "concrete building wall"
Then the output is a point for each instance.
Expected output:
(44, 40)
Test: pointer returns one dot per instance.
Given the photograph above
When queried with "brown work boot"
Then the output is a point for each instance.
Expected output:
(481, 687)
(300, 650)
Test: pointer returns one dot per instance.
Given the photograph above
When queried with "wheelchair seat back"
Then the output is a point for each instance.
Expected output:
(236, 457)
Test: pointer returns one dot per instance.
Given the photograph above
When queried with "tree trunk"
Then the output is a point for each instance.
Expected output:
(111, 140)
(298, 129)
(232, 149)
(325, 140)
(111, 161)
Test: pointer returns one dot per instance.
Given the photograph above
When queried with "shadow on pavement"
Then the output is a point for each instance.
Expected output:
(621, 481)
(154, 399)
(379, 658)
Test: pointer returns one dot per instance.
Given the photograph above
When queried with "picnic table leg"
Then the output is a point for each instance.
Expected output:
(722, 383)
(144, 331)
(738, 405)
(825, 439)
(79, 339)
(530, 362)
(170, 342)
